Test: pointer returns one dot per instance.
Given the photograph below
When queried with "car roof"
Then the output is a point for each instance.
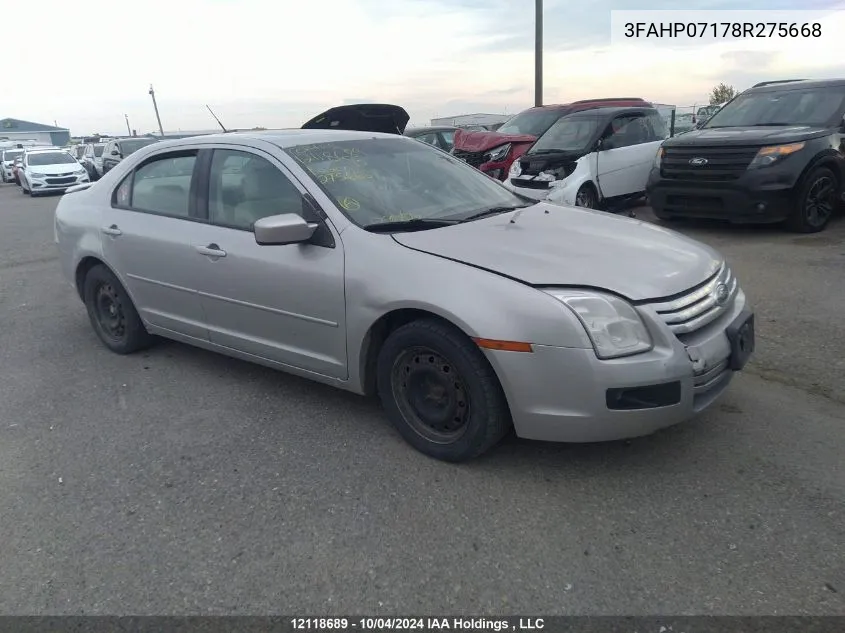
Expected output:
(612, 112)
(789, 84)
(281, 138)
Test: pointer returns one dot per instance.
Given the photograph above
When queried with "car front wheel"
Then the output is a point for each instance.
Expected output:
(440, 392)
(112, 313)
(815, 202)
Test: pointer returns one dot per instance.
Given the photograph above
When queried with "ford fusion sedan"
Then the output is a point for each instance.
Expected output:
(380, 265)
(46, 170)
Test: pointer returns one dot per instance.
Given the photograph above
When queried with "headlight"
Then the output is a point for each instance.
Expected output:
(34, 175)
(515, 170)
(658, 159)
(497, 153)
(773, 153)
(613, 325)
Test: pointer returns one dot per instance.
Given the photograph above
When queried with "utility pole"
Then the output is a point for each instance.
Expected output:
(155, 105)
(128, 129)
(538, 52)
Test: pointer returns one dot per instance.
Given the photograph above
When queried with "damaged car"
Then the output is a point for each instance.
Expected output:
(595, 159)
(493, 152)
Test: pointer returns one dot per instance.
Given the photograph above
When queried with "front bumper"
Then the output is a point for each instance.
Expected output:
(56, 183)
(758, 196)
(569, 395)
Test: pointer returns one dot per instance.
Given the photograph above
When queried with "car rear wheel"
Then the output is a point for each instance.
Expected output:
(815, 202)
(440, 392)
(112, 313)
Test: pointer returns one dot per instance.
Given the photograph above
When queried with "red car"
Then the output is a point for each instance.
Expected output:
(494, 152)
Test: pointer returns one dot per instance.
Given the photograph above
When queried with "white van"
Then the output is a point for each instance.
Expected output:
(593, 158)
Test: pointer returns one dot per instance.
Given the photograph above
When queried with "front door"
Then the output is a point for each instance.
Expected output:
(282, 303)
(629, 149)
(147, 235)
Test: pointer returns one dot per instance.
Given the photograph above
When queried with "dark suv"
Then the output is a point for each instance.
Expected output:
(774, 153)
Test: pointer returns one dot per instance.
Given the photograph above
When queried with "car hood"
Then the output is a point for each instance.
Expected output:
(756, 135)
(552, 245)
(52, 170)
(482, 141)
(362, 117)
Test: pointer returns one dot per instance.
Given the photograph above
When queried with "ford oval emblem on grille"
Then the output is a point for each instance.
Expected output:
(698, 161)
(721, 294)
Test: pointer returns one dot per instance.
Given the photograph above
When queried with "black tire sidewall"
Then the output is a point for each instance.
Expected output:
(136, 336)
(489, 417)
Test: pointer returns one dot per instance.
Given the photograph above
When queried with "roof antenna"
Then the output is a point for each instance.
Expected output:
(215, 118)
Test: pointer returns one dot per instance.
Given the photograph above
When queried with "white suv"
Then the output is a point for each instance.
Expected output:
(45, 170)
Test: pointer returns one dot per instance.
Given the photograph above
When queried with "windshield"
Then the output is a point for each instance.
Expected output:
(796, 106)
(568, 135)
(127, 147)
(376, 181)
(50, 158)
(12, 154)
(98, 150)
(533, 122)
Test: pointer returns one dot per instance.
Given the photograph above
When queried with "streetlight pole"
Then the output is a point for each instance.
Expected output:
(158, 118)
(538, 52)
(128, 129)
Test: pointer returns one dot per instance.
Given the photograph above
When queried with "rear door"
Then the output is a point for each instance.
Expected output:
(148, 236)
(629, 149)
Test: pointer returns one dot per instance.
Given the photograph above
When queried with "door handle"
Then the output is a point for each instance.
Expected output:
(112, 230)
(212, 250)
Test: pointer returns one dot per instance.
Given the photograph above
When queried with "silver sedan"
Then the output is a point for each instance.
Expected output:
(380, 265)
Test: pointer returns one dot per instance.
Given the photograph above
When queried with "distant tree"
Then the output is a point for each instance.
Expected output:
(722, 93)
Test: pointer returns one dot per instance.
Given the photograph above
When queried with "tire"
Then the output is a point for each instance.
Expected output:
(587, 197)
(427, 360)
(112, 313)
(815, 202)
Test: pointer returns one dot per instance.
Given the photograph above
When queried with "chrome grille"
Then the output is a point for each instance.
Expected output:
(695, 309)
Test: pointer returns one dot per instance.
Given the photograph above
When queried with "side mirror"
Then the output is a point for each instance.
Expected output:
(278, 230)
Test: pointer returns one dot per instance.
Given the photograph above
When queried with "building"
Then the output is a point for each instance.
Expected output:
(462, 120)
(18, 130)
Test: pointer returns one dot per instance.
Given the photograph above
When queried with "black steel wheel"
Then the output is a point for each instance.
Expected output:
(440, 391)
(815, 203)
(430, 394)
(112, 313)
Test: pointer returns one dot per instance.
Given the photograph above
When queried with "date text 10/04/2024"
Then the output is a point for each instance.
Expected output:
(417, 624)
(724, 30)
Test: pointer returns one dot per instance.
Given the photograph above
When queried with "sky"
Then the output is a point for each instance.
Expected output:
(277, 63)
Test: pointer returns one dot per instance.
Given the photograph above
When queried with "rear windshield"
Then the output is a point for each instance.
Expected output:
(98, 150)
(796, 106)
(12, 154)
(127, 147)
(50, 158)
(532, 122)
